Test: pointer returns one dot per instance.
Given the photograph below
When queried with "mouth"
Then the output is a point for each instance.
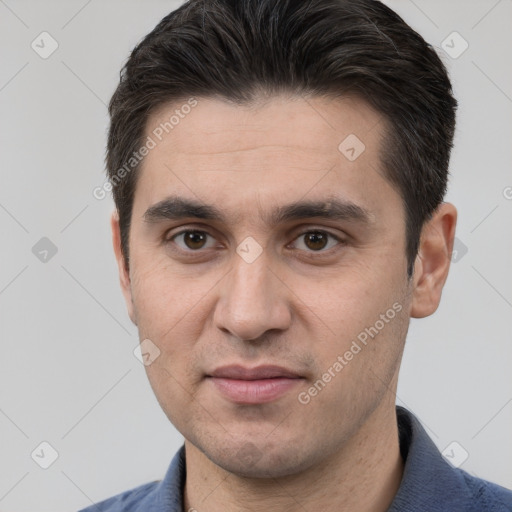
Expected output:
(258, 385)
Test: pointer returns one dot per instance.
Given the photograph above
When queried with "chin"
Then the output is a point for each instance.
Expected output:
(259, 460)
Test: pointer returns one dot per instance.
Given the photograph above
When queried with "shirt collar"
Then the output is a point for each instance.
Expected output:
(169, 492)
(429, 483)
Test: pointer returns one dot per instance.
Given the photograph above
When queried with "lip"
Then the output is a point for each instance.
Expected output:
(257, 385)
(239, 372)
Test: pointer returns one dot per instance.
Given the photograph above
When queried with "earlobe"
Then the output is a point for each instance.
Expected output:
(124, 275)
(433, 260)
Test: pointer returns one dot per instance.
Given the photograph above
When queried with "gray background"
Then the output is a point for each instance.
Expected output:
(68, 375)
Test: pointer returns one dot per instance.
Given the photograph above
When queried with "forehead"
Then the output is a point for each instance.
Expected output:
(313, 126)
(276, 150)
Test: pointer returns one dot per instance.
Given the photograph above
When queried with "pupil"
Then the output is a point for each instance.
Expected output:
(194, 239)
(316, 241)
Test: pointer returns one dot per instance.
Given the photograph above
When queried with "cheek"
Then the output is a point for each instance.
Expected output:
(364, 316)
(356, 371)
(170, 312)
(164, 301)
(168, 318)
(355, 299)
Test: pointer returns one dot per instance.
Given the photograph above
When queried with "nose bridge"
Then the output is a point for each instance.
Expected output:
(251, 300)
(250, 281)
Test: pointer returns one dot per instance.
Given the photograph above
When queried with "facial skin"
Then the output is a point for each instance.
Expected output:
(298, 305)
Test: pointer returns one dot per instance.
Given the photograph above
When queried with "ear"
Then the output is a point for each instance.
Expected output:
(124, 275)
(433, 260)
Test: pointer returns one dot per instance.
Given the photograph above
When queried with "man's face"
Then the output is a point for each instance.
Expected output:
(252, 288)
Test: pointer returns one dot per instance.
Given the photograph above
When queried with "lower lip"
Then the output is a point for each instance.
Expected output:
(254, 391)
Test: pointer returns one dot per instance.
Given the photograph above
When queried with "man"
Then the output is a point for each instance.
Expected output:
(279, 169)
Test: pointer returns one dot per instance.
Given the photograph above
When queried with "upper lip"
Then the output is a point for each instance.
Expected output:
(259, 372)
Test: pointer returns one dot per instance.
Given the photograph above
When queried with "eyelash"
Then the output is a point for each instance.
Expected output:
(318, 253)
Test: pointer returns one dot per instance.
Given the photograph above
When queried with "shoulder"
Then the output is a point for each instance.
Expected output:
(430, 483)
(134, 500)
(488, 496)
(159, 495)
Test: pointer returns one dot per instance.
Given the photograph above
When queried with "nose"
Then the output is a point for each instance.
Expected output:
(252, 301)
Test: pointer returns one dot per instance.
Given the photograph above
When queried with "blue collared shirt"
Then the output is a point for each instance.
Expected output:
(429, 483)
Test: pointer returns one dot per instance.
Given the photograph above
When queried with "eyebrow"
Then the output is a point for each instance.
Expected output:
(176, 208)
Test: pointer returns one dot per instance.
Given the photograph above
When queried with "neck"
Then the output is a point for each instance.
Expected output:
(363, 475)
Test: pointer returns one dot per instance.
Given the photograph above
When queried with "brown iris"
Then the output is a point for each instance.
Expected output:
(315, 240)
(194, 239)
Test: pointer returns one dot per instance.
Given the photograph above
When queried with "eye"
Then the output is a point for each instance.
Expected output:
(192, 240)
(316, 241)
